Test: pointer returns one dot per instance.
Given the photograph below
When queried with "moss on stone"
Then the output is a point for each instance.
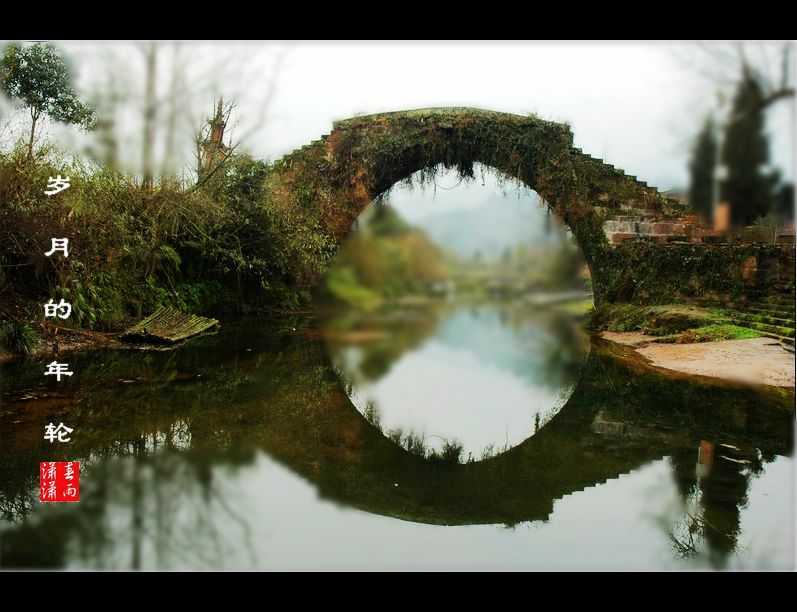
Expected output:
(654, 320)
(649, 273)
(710, 333)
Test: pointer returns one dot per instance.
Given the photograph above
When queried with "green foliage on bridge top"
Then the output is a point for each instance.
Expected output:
(520, 145)
(392, 144)
(442, 113)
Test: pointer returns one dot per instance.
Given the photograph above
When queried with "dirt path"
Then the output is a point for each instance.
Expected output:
(755, 360)
(628, 338)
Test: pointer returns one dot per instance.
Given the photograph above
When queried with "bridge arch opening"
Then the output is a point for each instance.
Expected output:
(447, 338)
(331, 180)
(544, 224)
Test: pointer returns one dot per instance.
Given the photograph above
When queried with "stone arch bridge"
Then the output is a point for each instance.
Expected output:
(640, 245)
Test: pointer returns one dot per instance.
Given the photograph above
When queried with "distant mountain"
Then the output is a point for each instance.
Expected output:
(499, 222)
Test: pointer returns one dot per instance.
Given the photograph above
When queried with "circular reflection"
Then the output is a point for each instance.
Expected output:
(460, 382)
(435, 320)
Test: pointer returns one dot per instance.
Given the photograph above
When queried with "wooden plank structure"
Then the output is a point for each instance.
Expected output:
(167, 326)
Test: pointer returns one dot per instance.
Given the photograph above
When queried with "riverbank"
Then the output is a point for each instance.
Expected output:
(751, 361)
(54, 341)
(759, 360)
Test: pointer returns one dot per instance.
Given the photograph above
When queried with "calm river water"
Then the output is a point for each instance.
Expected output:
(456, 436)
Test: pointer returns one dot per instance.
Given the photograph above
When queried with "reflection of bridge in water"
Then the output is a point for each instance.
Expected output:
(289, 403)
(618, 419)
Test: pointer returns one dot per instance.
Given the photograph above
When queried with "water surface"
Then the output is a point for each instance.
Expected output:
(484, 376)
(244, 450)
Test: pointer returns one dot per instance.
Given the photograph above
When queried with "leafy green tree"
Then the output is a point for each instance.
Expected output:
(39, 76)
(701, 171)
(748, 189)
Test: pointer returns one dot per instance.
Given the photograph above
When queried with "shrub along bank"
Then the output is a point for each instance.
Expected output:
(223, 247)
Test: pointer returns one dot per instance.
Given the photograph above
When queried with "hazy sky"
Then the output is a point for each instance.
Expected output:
(449, 192)
(636, 105)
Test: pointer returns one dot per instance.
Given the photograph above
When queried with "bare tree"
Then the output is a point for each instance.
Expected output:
(212, 153)
(152, 97)
(770, 65)
(259, 122)
(175, 101)
(150, 114)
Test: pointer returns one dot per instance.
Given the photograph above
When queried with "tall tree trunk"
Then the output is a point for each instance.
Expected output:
(150, 109)
(108, 99)
(34, 116)
(174, 99)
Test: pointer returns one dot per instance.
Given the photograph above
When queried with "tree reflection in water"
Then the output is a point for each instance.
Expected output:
(714, 491)
(158, 454)
(458, 358)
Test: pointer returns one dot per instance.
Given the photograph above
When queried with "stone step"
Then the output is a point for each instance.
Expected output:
(781, 304)
(763, 327)
(310, 145)
(784, 340)
(646, 227)
(603, 481)
(616, 170)
(781, 313)
(758, 307)
(779, 299)
(760, 318)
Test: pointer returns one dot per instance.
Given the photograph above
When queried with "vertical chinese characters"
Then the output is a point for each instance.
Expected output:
(70, 488)
(59, 481)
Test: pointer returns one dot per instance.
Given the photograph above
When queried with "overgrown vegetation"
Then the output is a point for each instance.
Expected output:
(415, 444)
(711, 333)
(653, 320)
(223, 247)
(18, 337)
(686, 324)
(648, 273)
(258, 235)
(339, 175)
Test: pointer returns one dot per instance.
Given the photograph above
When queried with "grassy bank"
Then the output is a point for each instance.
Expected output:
(684, 324)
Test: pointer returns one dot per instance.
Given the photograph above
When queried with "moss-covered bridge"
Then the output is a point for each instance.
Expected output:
(639, 244)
